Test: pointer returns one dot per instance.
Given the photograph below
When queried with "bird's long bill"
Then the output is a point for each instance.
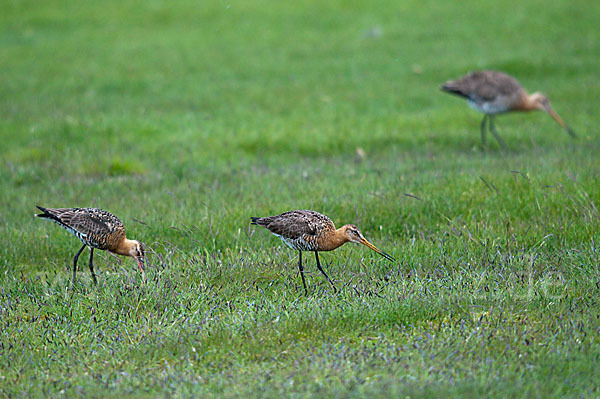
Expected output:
(374, 248)
(140, 262)
(562, 123)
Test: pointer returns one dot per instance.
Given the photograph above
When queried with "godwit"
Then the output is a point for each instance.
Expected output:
(312, 231)
(493, 92)
(97, 229)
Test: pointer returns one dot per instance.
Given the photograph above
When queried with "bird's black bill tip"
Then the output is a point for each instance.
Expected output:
(570, 132)
(387, 256)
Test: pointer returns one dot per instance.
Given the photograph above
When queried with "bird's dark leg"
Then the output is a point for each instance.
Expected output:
(323, 271)
(302, 272)
(75, 262)
(483, 138)
(493, 130)
(92, 266)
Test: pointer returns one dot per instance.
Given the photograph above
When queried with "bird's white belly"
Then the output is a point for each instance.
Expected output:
(298, 244)
(488, 107)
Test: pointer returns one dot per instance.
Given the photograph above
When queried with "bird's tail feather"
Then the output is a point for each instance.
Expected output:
(46, 214)
(452, 88)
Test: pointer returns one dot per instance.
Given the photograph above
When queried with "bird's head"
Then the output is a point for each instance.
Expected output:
(135, 249)
(540, 102)
(353, 234)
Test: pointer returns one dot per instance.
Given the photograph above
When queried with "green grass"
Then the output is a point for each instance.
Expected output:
(187, 118)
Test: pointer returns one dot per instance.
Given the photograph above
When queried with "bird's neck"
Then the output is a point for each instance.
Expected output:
(336, 239)
(125, 247)
(528, 103)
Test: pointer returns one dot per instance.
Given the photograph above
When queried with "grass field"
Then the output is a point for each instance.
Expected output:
(187, 118)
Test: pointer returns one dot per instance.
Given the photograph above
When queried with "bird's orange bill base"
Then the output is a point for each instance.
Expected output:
(562, 123)
(374, 248)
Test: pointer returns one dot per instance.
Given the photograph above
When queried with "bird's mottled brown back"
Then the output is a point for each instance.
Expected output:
(300, 229)
(94, 227)
(481, 86)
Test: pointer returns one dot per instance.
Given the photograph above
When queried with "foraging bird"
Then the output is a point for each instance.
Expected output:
(312, 231)
(97, 229)
(493, 92)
